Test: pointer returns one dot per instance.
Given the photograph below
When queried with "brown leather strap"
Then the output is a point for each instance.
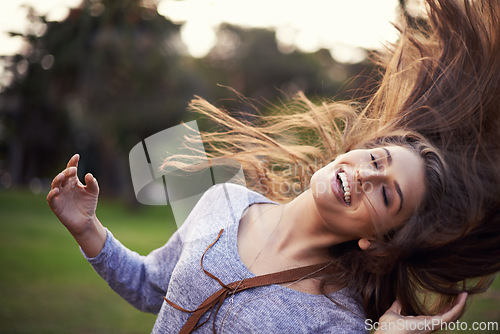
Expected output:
(218, 297)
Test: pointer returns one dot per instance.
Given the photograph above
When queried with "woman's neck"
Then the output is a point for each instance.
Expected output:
(273, 238)
(293, 234)
(302, 235)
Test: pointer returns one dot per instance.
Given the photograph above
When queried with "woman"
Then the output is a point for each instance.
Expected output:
(440, 90)
(411, 207)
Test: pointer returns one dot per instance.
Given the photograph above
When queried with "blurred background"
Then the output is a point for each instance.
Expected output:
(97, 76)
(109, 73)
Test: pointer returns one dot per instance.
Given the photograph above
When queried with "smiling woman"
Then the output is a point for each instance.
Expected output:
(407, 207)
(437, 102)
(364, 187)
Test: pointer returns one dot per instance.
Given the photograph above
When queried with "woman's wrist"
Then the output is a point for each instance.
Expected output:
(92, 239)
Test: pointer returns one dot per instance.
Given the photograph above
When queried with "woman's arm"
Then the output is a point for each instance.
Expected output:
(75, 204)
(141, 280)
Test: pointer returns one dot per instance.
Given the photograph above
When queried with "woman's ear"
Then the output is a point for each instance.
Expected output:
(371, 245)
(364, 243)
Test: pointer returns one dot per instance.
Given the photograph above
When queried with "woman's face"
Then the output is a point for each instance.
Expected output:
(365, 191)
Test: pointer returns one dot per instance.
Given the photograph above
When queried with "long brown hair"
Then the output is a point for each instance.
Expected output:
(440, 96)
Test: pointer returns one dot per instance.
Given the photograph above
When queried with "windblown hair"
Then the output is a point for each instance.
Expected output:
(440, 96)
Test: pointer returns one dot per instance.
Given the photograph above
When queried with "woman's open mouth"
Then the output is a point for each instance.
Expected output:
(343, 186)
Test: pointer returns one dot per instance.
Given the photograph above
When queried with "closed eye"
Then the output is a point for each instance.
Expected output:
(386, 199)
(374, 161)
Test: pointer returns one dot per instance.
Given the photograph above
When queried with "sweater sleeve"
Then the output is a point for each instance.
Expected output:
(140, 280)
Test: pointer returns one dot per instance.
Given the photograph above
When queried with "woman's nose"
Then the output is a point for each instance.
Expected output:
(367, 173)
(368, 179)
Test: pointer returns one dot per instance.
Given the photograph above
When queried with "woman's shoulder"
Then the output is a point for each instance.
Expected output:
(227, 196)
(221, 206)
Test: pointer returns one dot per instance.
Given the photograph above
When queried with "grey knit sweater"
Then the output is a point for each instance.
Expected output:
(173, 271)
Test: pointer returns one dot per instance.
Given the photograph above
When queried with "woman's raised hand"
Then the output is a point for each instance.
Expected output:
(392, 322)
(72, 202)
(75, 205)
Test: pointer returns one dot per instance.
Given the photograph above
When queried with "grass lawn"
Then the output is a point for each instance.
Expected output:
(47, 287)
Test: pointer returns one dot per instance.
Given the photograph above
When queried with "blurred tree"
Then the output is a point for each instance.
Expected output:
(97, 82)
(251, 62)
(412, 11)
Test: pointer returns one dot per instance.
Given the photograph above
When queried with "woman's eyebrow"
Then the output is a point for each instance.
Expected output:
(400, 193)
(389, 156)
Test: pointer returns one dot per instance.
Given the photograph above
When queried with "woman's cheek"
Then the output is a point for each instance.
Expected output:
(319, 183)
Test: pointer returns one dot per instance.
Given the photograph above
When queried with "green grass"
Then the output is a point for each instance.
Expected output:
(46, 286)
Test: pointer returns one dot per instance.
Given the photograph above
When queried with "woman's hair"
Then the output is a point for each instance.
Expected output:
(439, 95)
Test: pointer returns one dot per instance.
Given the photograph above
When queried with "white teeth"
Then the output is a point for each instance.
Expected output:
(345, 185)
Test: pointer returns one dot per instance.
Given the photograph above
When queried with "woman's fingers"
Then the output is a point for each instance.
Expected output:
(69, 176)
(396, 307)
(71, 169)
(56, 182)
(73, 162)
(51, 195)
(457, 309)
(91, 183)
(393, 316)
(70, 172)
